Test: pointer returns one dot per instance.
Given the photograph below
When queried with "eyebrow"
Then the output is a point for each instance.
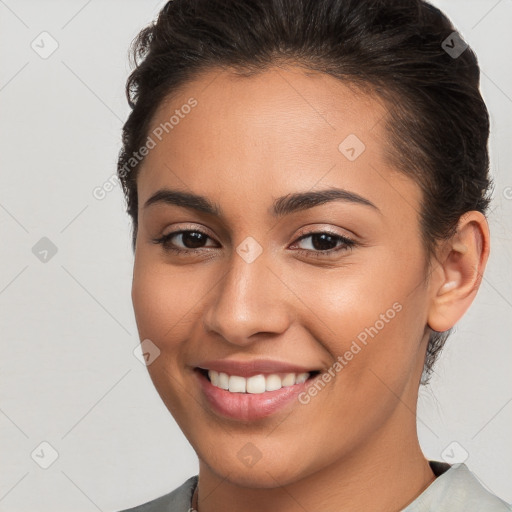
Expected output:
(282, 206)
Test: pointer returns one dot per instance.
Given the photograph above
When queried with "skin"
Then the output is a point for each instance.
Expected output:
(248, 141)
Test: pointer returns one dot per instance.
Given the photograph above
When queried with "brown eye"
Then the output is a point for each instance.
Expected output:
(184, 241)
(192, 239)
(324, 242)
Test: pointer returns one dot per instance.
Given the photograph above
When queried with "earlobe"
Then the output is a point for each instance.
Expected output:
(462, 264)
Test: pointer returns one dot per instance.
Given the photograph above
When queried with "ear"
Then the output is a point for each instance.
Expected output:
(461, 264)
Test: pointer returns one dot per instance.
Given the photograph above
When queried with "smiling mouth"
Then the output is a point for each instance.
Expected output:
(256, 384)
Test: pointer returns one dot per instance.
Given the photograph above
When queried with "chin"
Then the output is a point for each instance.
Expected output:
(241, 464)
(263, 475)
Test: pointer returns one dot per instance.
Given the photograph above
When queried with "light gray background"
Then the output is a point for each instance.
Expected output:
(68, 373)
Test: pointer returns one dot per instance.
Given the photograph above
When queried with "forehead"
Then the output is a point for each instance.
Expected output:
(300, 101)
(277, 130)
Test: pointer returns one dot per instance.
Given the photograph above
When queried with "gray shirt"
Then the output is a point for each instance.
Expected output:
(455, 489)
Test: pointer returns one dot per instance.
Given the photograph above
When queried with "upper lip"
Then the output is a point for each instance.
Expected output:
(254, 367)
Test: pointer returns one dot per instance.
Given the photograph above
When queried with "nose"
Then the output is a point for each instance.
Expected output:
(250, 299)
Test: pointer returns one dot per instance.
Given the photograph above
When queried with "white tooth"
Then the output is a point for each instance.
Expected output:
(301, 377)
(273, 382)
(237, 384)
(214, 377)
(288, 380)
(223, 380)
(256, 384)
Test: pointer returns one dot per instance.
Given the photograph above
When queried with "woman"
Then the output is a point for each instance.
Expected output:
(308, 182)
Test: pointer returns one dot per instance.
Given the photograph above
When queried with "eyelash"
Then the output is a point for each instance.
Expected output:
(347, 243)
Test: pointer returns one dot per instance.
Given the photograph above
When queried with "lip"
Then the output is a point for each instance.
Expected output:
(255, 367)
(247, 406)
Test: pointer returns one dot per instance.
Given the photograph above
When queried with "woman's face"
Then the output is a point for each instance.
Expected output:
(270, 285)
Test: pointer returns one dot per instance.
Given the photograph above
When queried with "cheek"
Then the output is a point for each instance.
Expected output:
(372, 315)
(163, 299)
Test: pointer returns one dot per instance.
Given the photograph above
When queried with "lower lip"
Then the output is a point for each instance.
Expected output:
(249, 406)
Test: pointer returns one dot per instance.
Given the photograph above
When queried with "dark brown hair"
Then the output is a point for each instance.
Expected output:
(437, 123)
